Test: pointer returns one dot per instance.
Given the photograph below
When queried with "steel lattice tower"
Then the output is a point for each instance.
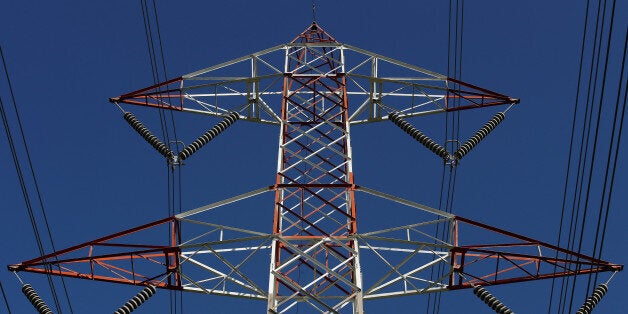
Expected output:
(314, 89)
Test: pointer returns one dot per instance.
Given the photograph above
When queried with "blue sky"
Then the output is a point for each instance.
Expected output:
(97, 176)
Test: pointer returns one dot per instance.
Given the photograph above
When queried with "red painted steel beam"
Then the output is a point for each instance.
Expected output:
(488, 256)
(140, 97)
(529, 278)
(100, 240)
(524, 238)
(65, 260)
(473, 93)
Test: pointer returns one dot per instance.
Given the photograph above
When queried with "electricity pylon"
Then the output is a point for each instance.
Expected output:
(314, 89)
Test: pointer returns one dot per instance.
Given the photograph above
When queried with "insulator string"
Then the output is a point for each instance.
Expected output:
(137, 300)
(419, 136)
(593, 300)
(491, 300)
(145, 133)
(208, 136)
(479, 135)
(35, 300)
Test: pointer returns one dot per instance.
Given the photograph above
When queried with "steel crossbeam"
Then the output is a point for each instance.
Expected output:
(223, 260)
(322, 64)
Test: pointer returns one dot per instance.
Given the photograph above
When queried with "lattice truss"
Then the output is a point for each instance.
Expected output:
(314, 88)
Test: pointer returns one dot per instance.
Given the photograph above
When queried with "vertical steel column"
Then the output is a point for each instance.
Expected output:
(314, 258)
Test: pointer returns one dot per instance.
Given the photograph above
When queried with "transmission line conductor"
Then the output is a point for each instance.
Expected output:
(145, 133)
(487, 128)
(419, 136)
(208, 136)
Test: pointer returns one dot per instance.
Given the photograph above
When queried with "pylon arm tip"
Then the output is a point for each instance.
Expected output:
(14, 268)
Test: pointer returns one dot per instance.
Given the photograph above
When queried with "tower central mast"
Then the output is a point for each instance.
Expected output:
(314, 255)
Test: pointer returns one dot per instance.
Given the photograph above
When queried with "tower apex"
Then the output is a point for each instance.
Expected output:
(314, 34)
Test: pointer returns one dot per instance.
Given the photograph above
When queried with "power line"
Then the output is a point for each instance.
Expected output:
(582, 161)
(35, 184)
(452, 130)
(613, 145)
(571, 141)
(4, 296)
(165, 72)
(581, 188)
(596, 136)
(173, 185)
(599, 116)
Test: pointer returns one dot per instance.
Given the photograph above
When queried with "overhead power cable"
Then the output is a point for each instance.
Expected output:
(595, 141)
(23, 186)
(597, 129)
(173, 173)
(571, 141)
(582, 156)
(4, 296)
(618, 142)
(583, 153)
(455, 41)
(586, 184)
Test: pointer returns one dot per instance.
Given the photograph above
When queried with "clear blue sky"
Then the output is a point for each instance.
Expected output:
(98, 177)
